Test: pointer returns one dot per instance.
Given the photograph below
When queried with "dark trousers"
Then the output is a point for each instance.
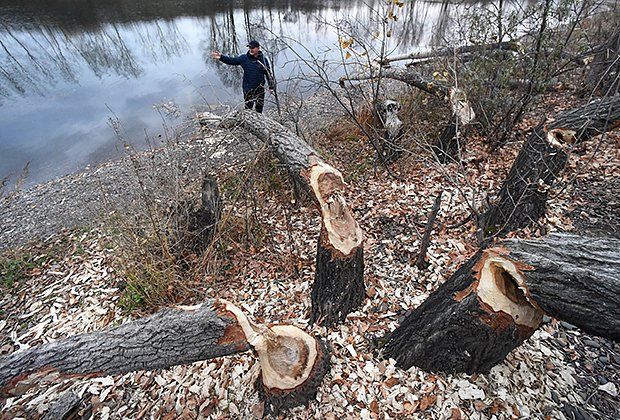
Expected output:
(255, 96)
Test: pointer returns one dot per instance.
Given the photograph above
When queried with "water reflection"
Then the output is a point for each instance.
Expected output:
(66, 65)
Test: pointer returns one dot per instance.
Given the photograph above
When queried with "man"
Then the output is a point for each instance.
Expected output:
(255, 69)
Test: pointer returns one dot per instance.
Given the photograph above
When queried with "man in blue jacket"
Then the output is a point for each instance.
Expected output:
(255, 69)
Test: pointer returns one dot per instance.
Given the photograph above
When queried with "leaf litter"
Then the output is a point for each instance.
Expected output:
(552, 375)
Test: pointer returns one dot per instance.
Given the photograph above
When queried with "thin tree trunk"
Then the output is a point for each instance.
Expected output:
(496, 300)
(467, 49)
(421, 262)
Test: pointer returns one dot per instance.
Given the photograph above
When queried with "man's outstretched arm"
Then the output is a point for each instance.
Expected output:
(233, 61)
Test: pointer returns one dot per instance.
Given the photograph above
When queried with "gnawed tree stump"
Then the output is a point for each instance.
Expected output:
(292, 362)
(392, 128)
(339, 279)
(496, 300)
(194, 228)
(448, 146)
(523, 196)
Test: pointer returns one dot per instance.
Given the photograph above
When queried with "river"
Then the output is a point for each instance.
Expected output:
(79, 78)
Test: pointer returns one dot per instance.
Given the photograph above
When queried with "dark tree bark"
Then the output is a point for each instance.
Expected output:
(332, 299)
(67, 406)
(292, 362)
(574, 278)
(454, 330)
(496, 300)
(604, 72)
(340, 253)
(447, 148)
(523, 195)
(194, 228)
(204, 221)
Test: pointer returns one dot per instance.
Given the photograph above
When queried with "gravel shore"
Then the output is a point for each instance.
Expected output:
(80, 199)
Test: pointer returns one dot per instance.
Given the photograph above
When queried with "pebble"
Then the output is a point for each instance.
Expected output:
(603, 359)
(592, 343)
(601, 379)
(567, 325)
(555, 397)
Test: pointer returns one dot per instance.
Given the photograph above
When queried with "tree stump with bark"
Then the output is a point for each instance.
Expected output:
(392, 128)
(292, 362)
(523, 196)
(448, 146)
(339, 279)
(496, 300)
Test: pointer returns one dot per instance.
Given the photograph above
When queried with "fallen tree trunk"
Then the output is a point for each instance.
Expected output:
(409, 76)
(574, 278)
(339, 279)
(496, 300)
(444, 52)
(523, 195)
(292, 362)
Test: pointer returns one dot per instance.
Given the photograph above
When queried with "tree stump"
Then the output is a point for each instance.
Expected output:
(523, 196)
(392, 128)
(339, 278)
(496, 300)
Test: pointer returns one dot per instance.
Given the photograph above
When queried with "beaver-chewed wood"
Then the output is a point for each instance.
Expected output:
(470, 323)
(340, 253)
(496, 300)
(292, 362)
(522, 198)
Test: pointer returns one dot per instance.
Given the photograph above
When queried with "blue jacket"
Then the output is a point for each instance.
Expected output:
(255, 69)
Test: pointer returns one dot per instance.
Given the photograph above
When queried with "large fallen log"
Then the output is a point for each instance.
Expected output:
(292, 362)
(523, 195)
(443, 52)
(392, 128)
(339, 279)
(496, 300)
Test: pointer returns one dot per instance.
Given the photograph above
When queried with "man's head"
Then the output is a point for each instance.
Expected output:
(254, 47)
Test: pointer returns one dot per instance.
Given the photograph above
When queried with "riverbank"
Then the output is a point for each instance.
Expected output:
(79, 200)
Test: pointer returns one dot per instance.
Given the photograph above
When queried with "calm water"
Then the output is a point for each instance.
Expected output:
(68, 66)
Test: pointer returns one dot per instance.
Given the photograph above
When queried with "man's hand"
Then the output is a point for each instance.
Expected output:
(216, 55)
